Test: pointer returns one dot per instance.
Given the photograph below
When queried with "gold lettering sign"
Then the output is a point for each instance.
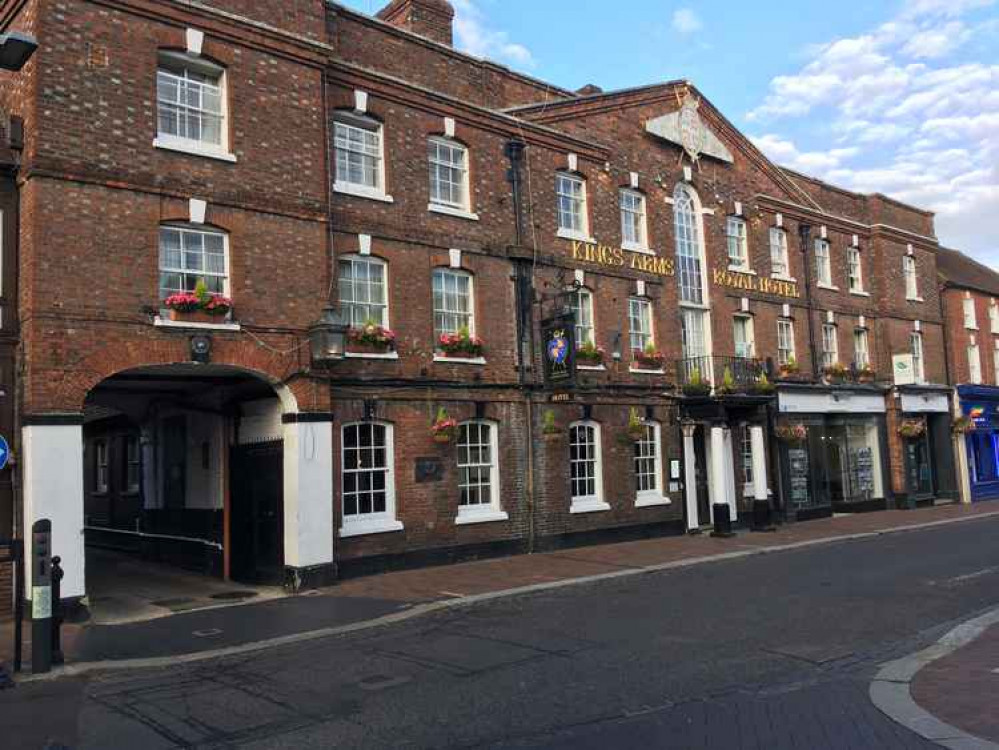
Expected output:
(615, 257)
(750, 283)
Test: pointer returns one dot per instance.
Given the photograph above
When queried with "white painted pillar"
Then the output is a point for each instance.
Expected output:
(308, 493)
(760, 479)
(690, 476)
(718, 474)
(52, 472)
(963, 469)
(728, 461)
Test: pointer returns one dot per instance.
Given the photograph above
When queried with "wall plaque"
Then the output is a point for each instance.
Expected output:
(429, 470)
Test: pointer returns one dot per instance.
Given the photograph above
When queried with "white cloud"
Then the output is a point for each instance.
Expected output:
(473, 35)
(906, 117)
(686, 21)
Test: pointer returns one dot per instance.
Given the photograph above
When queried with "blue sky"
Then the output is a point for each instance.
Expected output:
(897, 97)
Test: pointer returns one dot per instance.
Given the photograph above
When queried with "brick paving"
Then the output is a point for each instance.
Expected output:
(962, 689)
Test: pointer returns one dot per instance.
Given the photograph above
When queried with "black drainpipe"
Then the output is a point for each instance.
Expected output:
(805, 234)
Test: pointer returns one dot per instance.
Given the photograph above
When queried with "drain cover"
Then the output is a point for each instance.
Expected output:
(233, 595)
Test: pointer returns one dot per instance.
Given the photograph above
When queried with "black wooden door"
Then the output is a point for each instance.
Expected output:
(701, 477)
(256, 516)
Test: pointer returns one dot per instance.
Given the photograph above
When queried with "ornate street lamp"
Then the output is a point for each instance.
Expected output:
(327, 337)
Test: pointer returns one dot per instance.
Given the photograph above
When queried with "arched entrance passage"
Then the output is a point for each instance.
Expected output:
(209, 467)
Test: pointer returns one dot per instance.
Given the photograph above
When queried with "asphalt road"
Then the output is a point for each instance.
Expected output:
(773, 651)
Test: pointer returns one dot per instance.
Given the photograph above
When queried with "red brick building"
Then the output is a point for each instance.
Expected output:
(736, 321)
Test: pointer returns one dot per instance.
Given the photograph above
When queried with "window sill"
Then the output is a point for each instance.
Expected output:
(460, 360)
(644, 371)
(468, 518)
(830, 287)
(914, 299)
(589, 505)
(568, 234)
(363, 528)
(782, 277)
(452, 211)
(167, 323)
(360, 191)
(970, 328)
(651, 500)
(371, 355)
(194, 149)
(859, 293)
(592, 368)
(634, 247)
(741, 269)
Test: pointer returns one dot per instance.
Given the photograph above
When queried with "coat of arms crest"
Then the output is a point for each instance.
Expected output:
(691, 128)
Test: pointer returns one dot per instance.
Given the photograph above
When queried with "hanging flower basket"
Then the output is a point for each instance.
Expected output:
(791, 433)
(443, 428)
(590, 355)
(460, 345)
(370, 339)
(963, 425)
(911, 429)
(636, 427)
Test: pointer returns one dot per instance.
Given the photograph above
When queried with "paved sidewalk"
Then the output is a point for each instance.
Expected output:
(963, 689)
(395, 596)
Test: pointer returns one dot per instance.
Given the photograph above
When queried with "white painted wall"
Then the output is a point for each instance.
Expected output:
(308, 494)
(204, 486)
(52, 471)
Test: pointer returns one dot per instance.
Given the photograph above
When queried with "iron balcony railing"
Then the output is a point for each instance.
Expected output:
(741, 374)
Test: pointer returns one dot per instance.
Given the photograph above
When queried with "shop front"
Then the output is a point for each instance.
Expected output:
(924, 429)
(981, 405)
(832, 451)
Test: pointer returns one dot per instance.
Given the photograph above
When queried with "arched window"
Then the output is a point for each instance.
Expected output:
(689, 246)
(189, 254)
(362, 283)
(585, 468)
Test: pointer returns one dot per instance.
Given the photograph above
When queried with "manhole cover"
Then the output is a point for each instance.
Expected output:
(233, 595)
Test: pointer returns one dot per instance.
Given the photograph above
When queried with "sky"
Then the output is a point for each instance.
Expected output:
(896, 97)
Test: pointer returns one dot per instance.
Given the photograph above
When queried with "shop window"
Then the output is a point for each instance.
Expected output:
(189, 255)
(823, 263)
(861, 352)
(743, 335)
(101, 466)
(367, 476)
(634, 233)
(585, 467)
(453, 302)
(689, 246)
(363, 294)
(581, 304)
(640, 324)
(359, 159)
(132, 464)
(478, 471)
(573, 222)
(785, 341)
(916, 347)
(911, 279)
(738, 246)
(191, 105)
(830, 345)
(778, 252)
(855, 270)
(448, 174)
(648, 465)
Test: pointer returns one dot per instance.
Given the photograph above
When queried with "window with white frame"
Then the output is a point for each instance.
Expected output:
(190, 103)
(916, 347)
(634, 235)
(911, 280)
(640, 324)
(453, 303)
(743, 336)
(830, 345)
(189, 255)
(362, 287)
(358, 155)
(746, 454)
(581, 304)
(572, 218)
(974, 364)
(738, 244)
(101, 470)
(785, 341)
(478, 470)
(855, 269)
(861, 352)
(823, 263)
(778, 252)
(133, 463)
(448, 174)
(648, 465)
(366, 473)
(689, 246)
(970, 318)
(994, 316)
(692, 335)
(585, 465)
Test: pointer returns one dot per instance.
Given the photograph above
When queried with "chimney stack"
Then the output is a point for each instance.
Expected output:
(430, 18)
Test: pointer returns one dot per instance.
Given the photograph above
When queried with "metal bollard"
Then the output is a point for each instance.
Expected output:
(722, 521)
(57, 610)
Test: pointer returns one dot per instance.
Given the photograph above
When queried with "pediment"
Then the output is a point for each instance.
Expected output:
(687, 129)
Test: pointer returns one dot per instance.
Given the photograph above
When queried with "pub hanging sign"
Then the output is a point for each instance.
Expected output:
(558, 335)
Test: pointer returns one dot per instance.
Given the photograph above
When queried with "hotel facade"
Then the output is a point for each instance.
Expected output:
(734, 327)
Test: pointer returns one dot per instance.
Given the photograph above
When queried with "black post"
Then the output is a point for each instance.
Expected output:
(805, 232)
(41, 596)
(57, 611)
(18, 602)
